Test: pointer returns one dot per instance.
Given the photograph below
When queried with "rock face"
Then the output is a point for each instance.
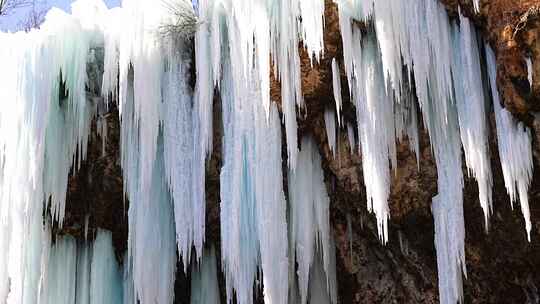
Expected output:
(501, 264)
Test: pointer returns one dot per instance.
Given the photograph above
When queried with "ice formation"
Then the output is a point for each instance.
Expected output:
(309, 218)
(330, 125)
(336, 85)
(514, 142)
(529, 70)
(471, 108)
(70, 72)
(446, 67)
(204, 280)
(253, 208)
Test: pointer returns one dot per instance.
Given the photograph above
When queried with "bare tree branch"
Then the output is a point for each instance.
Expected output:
(8, 6)
(184, 23)
(34, 18)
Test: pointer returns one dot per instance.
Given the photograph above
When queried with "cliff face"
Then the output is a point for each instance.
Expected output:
(500, 264)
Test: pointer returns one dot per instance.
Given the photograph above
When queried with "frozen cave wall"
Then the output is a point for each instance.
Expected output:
(501, 264)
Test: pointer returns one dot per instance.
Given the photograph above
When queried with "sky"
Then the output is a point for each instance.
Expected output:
(11, 22)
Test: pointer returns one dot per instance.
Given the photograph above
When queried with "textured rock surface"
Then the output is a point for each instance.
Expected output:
(501, 265)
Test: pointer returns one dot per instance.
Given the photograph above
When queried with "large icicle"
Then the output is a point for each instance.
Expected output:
(151, 240)
(330, 125)
(204, 280)
(59, 284)
(309, 220)
(106, 277)
(253, 209)
(376, 132)
(471, 107)
(320, 292)
(514, 142)
(183, 167)
(271, 208)
(336, 85)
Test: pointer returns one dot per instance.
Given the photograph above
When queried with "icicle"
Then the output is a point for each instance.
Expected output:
(330, 124)
(250, 196)
(84, 255)
(271, 208)
(61, 273)
(309, 207)
(529, 70)
(320, 291)
(312, 16)
(106, 278)
(151, 239)
(470, 102)
(376, 131)
(351, 138)
(476, 5)
(179, 146)
(336, 81)
(204, 280)
(514, 142)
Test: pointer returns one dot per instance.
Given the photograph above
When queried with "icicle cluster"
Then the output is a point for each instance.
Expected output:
(309, 220)
(446, 66)
(257, 31)
(81, 273)
(62, 76)
(514, 141)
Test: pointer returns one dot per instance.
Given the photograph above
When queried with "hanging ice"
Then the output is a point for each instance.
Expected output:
(204, 280)
(106, 277)
(309, 216)
(529, 70)
(470, 102)
(58, 278)
(330, 125)
(319, 290)
(336, 85)
(514, 142)
(253, 209)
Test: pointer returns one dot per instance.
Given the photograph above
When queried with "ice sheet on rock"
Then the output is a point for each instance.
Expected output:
(514, 143)
(309, 217)
(204, 280)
